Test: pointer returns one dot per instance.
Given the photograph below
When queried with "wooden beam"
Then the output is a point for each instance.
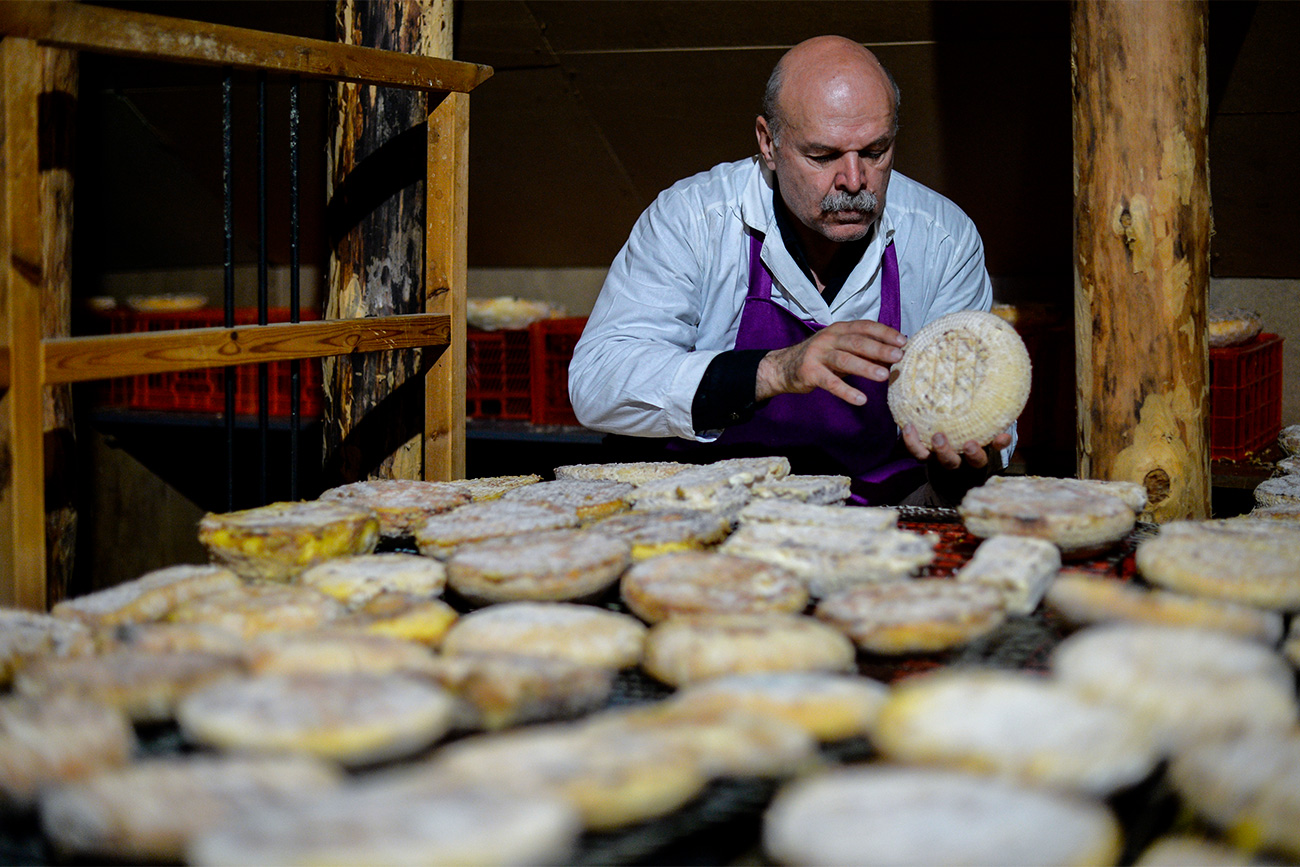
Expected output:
(1142, 230)
(81, 359)
(22, 500)
(135, 34)
(445, 245)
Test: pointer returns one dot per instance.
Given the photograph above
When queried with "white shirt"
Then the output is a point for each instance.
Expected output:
(672, 299)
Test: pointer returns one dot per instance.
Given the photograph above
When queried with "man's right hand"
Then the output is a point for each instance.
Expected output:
(859, 348)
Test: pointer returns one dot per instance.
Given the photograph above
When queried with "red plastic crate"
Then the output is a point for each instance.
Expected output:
(1245, 396)
(204, 390)
(552, 349)
(497, 374)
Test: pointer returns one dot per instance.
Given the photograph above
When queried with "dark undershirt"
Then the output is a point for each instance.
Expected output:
(725, 396)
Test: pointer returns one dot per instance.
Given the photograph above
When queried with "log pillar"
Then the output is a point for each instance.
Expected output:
(1142, 235)
(374, 403)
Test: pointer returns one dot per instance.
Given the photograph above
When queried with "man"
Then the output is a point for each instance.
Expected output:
(757, 307)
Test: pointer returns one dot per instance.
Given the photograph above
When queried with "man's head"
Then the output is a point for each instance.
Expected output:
(830, 115)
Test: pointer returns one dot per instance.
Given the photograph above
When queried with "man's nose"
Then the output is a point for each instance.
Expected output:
(852, 175)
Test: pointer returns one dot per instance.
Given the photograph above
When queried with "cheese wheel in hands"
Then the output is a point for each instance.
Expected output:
(965, 375)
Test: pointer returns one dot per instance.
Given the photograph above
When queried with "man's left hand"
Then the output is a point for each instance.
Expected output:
(946, 455)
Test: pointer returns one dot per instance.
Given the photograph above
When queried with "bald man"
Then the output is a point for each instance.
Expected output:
(756, 308)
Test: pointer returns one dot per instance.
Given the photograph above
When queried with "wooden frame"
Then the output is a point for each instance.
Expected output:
(28, 363)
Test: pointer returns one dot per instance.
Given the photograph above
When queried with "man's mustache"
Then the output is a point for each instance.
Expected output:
(862, 200)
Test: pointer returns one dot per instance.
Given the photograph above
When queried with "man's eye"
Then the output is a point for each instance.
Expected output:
(825, 158)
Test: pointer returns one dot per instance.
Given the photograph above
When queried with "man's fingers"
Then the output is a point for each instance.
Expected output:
(847, 363)
(944, 453)
(975, 455)
(915, 446)
(864, 349)
(843, 390)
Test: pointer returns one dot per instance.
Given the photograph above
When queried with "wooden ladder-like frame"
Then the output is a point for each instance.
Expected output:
(30, 363)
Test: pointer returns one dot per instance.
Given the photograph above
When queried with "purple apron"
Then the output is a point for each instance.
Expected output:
(864, 440)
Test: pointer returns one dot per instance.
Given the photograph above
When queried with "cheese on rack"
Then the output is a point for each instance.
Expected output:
(880, 814)
(706, 582)
(151, 810)
(577, 633)
(355, 718)
(149, 597)
(555, 565)
(1081, 517)
(692, 647)
(277, 542)
(924, 615)
(401, 505)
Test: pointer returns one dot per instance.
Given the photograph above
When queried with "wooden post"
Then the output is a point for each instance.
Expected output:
(445, 242)
(374, 403)
(1142, 232)
(22, 473)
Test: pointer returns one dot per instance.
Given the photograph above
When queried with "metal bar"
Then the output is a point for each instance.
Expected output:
(228, 234)
(295, 366)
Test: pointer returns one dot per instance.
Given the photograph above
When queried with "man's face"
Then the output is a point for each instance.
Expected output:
(833, 162)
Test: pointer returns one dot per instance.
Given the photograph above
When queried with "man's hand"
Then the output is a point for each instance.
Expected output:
(948, 457)
(862, 348)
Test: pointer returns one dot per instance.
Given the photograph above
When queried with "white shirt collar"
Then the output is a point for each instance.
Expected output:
(757, 211)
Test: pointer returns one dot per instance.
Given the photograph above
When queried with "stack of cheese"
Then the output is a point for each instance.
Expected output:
(323, 681)
(454, 704)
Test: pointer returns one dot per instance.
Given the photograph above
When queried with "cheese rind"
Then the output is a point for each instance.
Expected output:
(50, 739)
(554, 566)
(880, 814)
(278, 541)
(694, 647)
(832, 558)
(1014, 725)
(355, 718)
(1021, 567)
(925, 615)
(965, 375)
(401, 505)
(1081, 517)
(1249, 562)
(149, 597)
(706, 582)
(569, 631)
(1184, 684)
(152, 809)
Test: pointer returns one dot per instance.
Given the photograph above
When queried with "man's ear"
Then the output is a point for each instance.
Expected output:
(766, 146)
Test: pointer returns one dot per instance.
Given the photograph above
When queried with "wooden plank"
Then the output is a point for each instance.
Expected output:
(1142, 235)
(446, 242)
(81, 359)
(22, 502)
(135, 34)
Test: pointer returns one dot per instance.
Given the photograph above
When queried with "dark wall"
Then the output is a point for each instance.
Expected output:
(596, 106)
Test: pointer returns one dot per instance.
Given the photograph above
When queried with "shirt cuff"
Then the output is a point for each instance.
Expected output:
(725, 395)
